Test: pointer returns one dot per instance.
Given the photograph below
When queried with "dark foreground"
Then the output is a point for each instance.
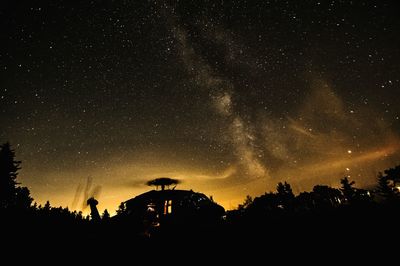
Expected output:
(324, 236)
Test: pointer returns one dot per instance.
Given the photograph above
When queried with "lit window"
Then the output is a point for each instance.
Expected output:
(168, 207)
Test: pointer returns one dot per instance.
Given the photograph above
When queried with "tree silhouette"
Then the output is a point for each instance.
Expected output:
(47, 206)
(163, 182)
(23, 198)
(326, 196)
(8, 173)
(264, 204)
(386, 189)
(353, 195)
(247, 202)
(305, 201)
(11, 195)
(105, 215)
(393, 174)
(121, 208)
(349, 192)
(285, 195)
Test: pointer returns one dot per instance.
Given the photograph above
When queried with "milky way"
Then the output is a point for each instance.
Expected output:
(231, 97)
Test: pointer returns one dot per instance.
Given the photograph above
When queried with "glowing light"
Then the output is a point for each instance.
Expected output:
(349, 151)
(329, 165)
(347, 169)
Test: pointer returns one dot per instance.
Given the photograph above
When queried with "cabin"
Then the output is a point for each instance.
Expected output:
(164, 209)
(176, 207)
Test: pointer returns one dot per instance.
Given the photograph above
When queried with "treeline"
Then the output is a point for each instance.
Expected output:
(323, 198)
(280, 219)
(325, 220)
(17, 207)
(16, 199)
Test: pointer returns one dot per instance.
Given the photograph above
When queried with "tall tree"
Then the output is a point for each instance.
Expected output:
(11, 195)
(349, 192)
(8, 174)
(285, 195)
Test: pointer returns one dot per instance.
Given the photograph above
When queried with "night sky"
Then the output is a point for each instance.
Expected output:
(231, 97)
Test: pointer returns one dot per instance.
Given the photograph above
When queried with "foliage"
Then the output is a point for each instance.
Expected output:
(247, 202)
(277, 207)
(163, 182)
(393, 174)
(105, 215)
(347, 189)
(285, 195)
(11, 195)
(121, 208)
(386, 188)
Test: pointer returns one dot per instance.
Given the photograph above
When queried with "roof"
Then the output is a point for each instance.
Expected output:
(165, 194)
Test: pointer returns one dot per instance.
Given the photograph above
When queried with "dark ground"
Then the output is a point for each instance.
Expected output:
(342, 235)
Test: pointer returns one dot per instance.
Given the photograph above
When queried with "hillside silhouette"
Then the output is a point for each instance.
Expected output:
(325, 220)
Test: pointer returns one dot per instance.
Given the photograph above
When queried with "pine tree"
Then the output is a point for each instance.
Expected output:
(285, 195)
(105, 215)
(349, 192)
(11, 195)
(121, 209)
(8, 174)
(23, 198)
(247, 202)
(284, 189)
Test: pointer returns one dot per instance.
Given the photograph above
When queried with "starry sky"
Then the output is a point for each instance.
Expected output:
(231, 97)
